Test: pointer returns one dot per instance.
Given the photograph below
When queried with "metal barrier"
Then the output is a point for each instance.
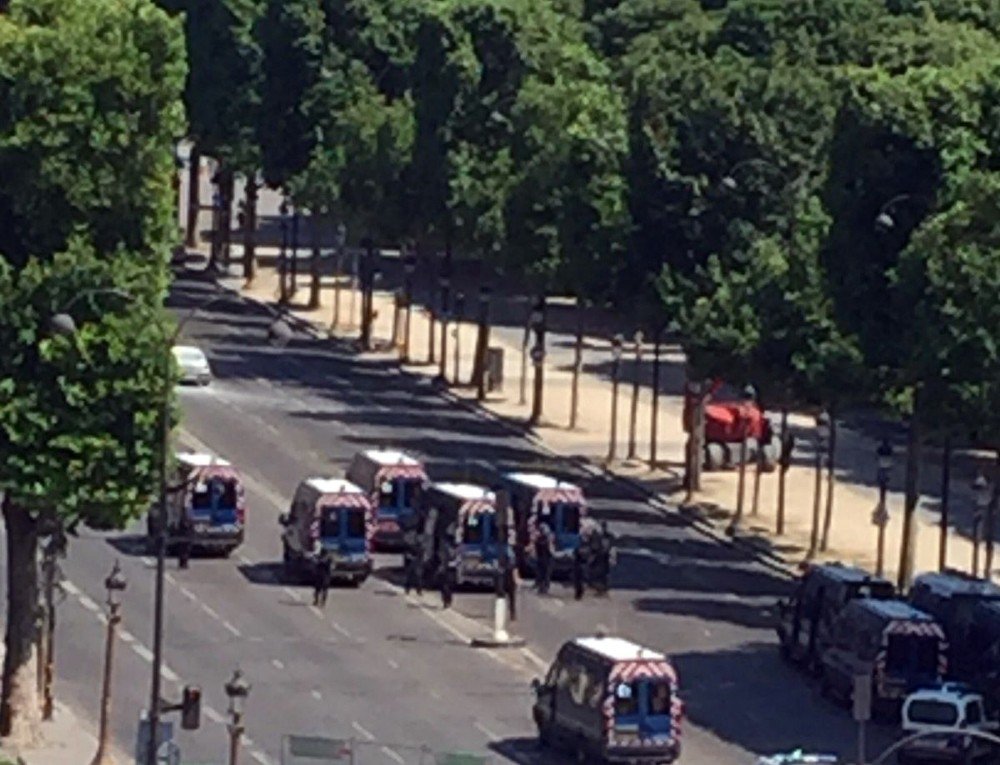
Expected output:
(317, 750)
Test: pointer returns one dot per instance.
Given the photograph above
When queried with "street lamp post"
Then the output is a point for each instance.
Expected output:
(409, 268)
(115, 585)
(981, 492)
(616, 356)
(634, 407)
(537, 322)
(822, 434)
(237, 690)
(749, 396)
(881, 515)
(279, 333)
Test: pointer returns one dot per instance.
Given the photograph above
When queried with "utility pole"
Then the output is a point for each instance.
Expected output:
(250, 230)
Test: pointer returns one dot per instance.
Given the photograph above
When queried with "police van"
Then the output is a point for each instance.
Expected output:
(609, 700)
(394, 481)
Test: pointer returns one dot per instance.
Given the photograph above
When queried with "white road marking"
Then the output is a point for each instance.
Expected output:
(144, 653)
(188, 594)
(231, 628)
(534, 658)
(214, 716)
(88, 603)
(260, 756)
(317, 695)
(71, 588)
(210, 611)
(170, 578)
(147, 561)
(393, 663)
(315, 610)
(489, 734)
(170, 675)
(362, 730)
(392, 754)
(126, 636)
(243, 559)
(291, 593)
(277, 664)
(340, 629)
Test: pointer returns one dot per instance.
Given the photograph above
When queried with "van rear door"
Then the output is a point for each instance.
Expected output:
(643, 711)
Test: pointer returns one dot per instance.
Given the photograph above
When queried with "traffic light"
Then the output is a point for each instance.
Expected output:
(191, 708)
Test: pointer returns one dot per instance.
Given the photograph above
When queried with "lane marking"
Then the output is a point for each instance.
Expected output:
(392, 754)
(393, 663)
(147, 561)
(260, 756)
(170, 675)
(214, 716)
(210, 611)
(291, 593)
(315, 610)
(340, 629)
(87, 603)
(277, 664)
(231, 628)
(362, 730)
(126, 636)
(71, 588)
(317, 695)
(483, 729)
(189, 594)
(144, 653)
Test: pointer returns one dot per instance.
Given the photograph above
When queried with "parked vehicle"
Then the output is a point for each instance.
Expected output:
(193, 364)
(208, 509)
(537, 499)
(946, 714)
(608, 700)
(728, 420)
(395, 482)
(462, 517)
(804, 619)
(328, 514)
(968, 610)
(900, 647)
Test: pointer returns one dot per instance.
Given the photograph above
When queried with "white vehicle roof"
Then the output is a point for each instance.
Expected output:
(465, 491)
(201, 459)
(387, 457)
(619, 649)
(333, 486)
(540, 481)
(947, 693)
(189, 351)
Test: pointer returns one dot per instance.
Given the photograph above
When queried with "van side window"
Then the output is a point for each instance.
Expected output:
(552, 677)
(595, 694)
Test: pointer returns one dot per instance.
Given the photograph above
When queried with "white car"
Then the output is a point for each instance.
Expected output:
(942, 714)
(193, 364)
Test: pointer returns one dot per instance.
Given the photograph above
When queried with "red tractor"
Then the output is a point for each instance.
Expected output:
(728, 419)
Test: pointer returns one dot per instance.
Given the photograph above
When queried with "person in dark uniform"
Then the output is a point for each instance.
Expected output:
(543, 559)
(603, 560)
(184, 529)
(449, 564)
(324, 575)
(510, 588)
(413, 558)
(579, 566)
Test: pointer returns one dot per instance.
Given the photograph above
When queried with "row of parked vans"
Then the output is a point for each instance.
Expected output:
(933, 657)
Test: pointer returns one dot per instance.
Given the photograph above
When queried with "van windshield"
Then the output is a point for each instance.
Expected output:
(215, 492)
(933, 713)
(912, 655)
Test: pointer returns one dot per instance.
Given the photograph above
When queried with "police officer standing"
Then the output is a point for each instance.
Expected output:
(579, 562)
(184, 546)
(324, 575)
(603, 560)
(413, 555)
(543, 559)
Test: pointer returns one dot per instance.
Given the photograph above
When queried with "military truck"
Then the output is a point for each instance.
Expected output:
(823, 591)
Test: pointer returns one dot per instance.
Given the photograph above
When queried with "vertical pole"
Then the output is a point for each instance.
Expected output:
(977, 528)
(459, 308)
(538, 362)
(785, 462)
(295, 251)
(109, 651)
(817, 501)
(250, 231)
(48, 639)
(912, 496)
(445, 296)
(634, 406)
(612, 447)
(655, 422)
(315, 283)
(741, 483)
(523, 397)
(338, 270)
(945, 503)
(482, 343)
(283, 258)
(408, 312)
(862, 748)
(194, 196)
(831, 451)
(991, 512)
(880, 550)
(758, 467)
(574, 401)
(235, 731)
(161, 558)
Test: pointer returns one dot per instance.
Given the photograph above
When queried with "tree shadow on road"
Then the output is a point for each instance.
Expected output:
(752, 616)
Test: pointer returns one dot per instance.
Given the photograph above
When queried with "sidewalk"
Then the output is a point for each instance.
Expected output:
(852, 535)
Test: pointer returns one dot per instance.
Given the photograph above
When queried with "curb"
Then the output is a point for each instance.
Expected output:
(685, 512)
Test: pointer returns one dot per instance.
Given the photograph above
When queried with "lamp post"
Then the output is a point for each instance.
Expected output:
(409, 268)
(634, 408)
(616, 356)
(749, 396)
(283, 254)
(881, 515)
(884, 220)
(115, 585)
(279, 333)
(537, 321)
(822, 434)
(237, 690)
(981, 492)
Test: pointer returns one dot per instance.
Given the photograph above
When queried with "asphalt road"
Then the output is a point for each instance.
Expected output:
(394, 672)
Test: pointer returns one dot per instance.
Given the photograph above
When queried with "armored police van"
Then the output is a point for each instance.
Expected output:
(608, 700)
(899, 647)
(394, 482)
(823, 591)
(538, 499)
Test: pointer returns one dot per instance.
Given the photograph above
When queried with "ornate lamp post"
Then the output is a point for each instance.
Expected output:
(237, 690)
(881, 515)
(115, 585)
(822, 435)
(616, 357)
(981, 491)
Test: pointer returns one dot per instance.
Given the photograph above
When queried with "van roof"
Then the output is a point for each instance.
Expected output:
(465, 491)
(201, 459)
(539, 481)
(387, 457)
(951, 584)
(618, 649)
(894, 609)
(848, 574)
(333, 486)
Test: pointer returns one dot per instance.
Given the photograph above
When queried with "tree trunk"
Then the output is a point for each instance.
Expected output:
(194, 197)
(830, 464)
(250, 231)
(945, 503)
(991, 515)
(19, 707)
(912, 481)
(228, 182)
(784, 462)
(314, 271)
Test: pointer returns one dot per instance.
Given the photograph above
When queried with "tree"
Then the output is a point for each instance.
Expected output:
(92, 106)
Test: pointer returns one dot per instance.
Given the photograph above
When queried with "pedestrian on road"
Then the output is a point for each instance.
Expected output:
(604, 560)
(413, 558)
(510, 587)
(579, 564)
(543, 559)
(324, 575)
(184, 529)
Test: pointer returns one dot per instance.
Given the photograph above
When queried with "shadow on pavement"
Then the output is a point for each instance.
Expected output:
(711, 610)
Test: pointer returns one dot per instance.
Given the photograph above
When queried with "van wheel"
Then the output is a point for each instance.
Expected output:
(544, 737)
(580, 753)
